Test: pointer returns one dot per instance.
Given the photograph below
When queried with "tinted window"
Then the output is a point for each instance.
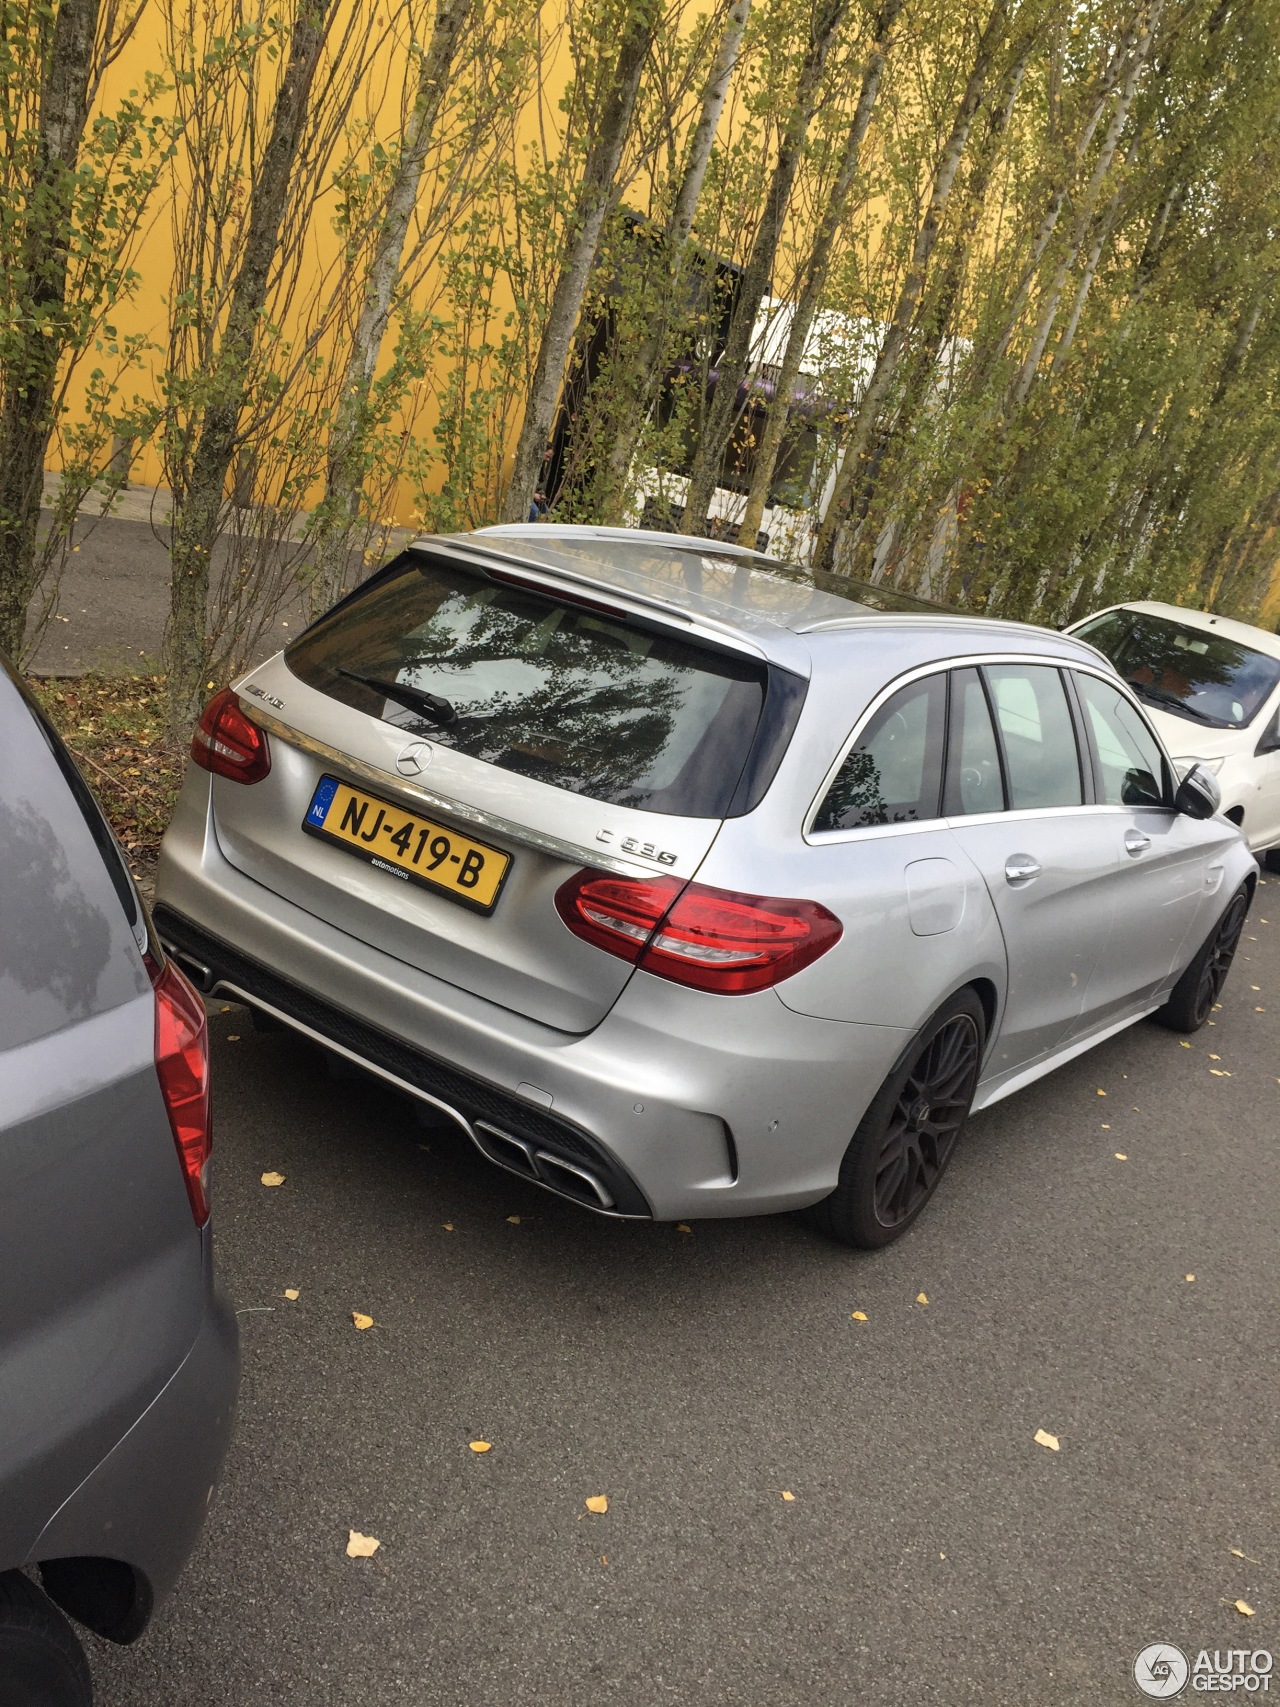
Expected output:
(1131, 770)
(570, 695)
(66, 947)
(1041, 761)
(974, 783)
(893, 775)
(1191, 672)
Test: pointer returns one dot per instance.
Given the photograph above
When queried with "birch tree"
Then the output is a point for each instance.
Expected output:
(731, 368)
(595, 197)
(73, 197)
(814, 278)
(829, 546)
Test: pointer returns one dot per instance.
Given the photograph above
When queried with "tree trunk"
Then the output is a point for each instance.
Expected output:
(938, 303)
(33, 350)
(197, 506)
(1021, 388)
(732, 366)
(851, 471)
(595, 198)
(636, 384)
(348, 448)
(815, 277)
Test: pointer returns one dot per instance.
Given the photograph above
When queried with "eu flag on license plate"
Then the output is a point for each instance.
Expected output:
(321, 800)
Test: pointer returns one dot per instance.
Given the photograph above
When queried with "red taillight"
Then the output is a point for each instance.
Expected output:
(227, 743)
(710, 939)
(182, 1066)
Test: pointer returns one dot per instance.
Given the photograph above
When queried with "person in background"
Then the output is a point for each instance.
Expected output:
(539, 507)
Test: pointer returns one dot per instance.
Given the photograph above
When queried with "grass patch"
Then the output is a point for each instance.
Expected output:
(114, 726)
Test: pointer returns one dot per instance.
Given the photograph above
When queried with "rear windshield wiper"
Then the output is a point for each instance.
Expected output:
(1145, 691)
(417, 699)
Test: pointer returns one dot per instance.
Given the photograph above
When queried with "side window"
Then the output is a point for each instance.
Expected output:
(893, 775)
(974, 783)
(1042, 763)
(1131, 770)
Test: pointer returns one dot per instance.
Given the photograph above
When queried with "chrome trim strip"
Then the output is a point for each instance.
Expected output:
(389, 783)
(224, 987)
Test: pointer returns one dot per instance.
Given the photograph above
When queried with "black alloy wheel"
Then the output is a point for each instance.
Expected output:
(1217, 963)
(1194, 995)
(926, 1120)
(908, 1134)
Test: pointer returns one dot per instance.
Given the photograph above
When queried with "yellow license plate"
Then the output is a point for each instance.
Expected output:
(407, 845)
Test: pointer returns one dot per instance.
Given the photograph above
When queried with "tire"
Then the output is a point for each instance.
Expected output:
(1192, 997)
(899, 1153)
(41, 1662)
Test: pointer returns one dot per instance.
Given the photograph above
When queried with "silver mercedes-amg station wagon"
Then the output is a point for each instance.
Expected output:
(687, 887)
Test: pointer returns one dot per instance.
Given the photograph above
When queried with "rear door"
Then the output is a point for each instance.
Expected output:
(457, 715)
(100, 1261)
(1046, 859)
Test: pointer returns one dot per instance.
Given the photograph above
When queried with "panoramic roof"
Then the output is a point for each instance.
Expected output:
(701, 576)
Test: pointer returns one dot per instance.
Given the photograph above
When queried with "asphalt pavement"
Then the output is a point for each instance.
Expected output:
(933, 1552)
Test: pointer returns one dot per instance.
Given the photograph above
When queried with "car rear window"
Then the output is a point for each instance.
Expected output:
(565, 691)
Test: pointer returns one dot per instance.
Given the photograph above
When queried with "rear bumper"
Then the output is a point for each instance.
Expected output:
(146, 1501)
(679, 1104)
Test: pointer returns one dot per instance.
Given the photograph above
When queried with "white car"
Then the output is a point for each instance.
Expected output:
(1212, 688)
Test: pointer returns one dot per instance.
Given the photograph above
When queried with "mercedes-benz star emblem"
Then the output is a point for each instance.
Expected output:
(414, 758)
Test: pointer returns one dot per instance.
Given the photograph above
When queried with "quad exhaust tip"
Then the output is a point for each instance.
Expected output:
(522, 1157)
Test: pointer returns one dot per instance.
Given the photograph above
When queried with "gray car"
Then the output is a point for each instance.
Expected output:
(687, 887)
(118, 1354)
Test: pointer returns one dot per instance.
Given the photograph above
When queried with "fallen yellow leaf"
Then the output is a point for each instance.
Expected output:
(1121, 1156)
(291, 1293)
(1102, 1093)
(1183, 1044)
(513, 1220)
(273, 1179)
(1237, 1554)
(1243, 1607)
(1215, 1057)
(1219, 1073)
(1044, 1438)
(858, 1315)
(922, 1297)
(788, 1495)
(447, 1225)
(598, 1503)
(1191, 1277)
(481, 1445)
(361, 1321)
(683, 1227)
(233, 1037)
(361, 1546)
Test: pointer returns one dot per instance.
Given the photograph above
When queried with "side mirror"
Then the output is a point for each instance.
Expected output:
(1198, 793)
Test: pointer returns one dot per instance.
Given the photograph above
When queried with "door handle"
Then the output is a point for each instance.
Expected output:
(1135, 842)
(1021, 868)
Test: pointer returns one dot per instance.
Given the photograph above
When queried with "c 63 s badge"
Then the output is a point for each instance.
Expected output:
(637, 849)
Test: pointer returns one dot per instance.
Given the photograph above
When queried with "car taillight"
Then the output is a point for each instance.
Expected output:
(227, 743)
(709, 939)
(182, 1066)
